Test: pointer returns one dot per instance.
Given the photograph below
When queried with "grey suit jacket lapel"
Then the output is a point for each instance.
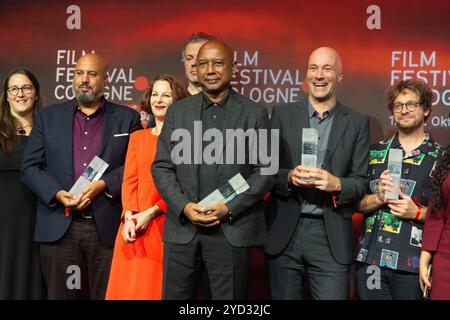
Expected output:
(300, 119)
(340, 123)
(233, 111)
(192, 114)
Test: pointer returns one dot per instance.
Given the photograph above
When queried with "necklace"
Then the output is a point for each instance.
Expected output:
(21, 130)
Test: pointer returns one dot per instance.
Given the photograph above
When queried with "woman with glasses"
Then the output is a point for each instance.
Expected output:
(20, 268)
(137, 265)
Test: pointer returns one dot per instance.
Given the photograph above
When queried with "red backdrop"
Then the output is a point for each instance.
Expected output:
(379, 41)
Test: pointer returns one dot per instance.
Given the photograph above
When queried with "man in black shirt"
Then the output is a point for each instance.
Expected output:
(218, 236)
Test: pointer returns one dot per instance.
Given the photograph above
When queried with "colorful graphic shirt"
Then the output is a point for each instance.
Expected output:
(386, 240)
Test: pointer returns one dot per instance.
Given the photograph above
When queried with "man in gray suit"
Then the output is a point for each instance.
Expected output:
(218, 236)
(310, 209)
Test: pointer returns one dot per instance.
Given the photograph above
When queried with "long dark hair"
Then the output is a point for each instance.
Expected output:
(8, 123)
(440, 172)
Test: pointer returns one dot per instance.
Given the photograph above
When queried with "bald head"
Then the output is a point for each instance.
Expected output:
(218, 45)
(327, 53)
(215, 67)
(323, 74)
(94, 60)
(89, 80)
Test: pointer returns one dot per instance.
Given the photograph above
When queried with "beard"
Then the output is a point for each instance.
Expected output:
(85, 97)
(410, 127)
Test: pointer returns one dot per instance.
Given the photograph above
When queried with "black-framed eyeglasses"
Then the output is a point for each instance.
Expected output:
(410, 106)
(26, 89)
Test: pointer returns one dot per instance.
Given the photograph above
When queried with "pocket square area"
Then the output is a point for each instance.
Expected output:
(121, 134)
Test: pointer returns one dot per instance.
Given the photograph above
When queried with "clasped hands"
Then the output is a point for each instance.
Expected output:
(321, 179)
(207, 216)
(84, 200)
(137, 223)
(404, 207)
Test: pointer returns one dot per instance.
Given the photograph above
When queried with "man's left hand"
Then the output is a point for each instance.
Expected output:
(220, 210)
(93, 190)
(325, 181)
(404, 207)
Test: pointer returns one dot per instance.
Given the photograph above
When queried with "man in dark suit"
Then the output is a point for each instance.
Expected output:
(189, 54)
(217, 236)
(310, 209)
(77, 233)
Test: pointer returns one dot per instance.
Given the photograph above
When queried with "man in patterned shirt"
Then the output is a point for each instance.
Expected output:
(392, 229)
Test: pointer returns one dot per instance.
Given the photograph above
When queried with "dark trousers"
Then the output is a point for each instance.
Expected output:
(393, 284)
(205, 289)
(227, 267)
(77, 266)
(307, 255)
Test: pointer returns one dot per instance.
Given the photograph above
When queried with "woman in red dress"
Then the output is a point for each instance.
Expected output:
(436, 242)
(137, 265)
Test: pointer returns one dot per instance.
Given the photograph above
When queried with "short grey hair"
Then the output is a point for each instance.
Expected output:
(196, 37)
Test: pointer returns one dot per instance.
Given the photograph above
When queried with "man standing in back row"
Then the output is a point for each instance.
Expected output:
(189, 58)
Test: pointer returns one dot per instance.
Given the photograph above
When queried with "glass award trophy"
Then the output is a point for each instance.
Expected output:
(395, 171)
(228, 191)
(310, 140)
(93, 172)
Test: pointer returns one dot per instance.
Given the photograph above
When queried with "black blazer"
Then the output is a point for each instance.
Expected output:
(178, 183)
(47, 167)
(347, 158)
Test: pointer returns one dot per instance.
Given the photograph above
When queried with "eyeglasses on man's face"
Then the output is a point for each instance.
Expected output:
(410, 106)
(14, 90)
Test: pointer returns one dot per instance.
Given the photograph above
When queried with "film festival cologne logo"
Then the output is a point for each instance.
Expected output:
(424, 65)
(265, 85)
(121, 83)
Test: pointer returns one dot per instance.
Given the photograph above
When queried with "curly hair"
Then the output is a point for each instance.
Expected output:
(8, 123)
(178, 91)
(425, 93)
(440, 173)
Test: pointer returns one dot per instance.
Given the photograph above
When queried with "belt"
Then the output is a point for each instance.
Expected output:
(311, 216)
(86, 214)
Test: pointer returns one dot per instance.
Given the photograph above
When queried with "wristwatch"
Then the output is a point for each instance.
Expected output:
(230, 217)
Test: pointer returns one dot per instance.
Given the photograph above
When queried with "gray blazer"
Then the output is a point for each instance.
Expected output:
(178, 184)
(347, 158)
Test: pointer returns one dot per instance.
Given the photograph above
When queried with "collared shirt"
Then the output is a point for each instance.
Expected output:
(323, 126)
(86, 139)
(213, 114)
(386, 240)
(313, 198)
(213, 117)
